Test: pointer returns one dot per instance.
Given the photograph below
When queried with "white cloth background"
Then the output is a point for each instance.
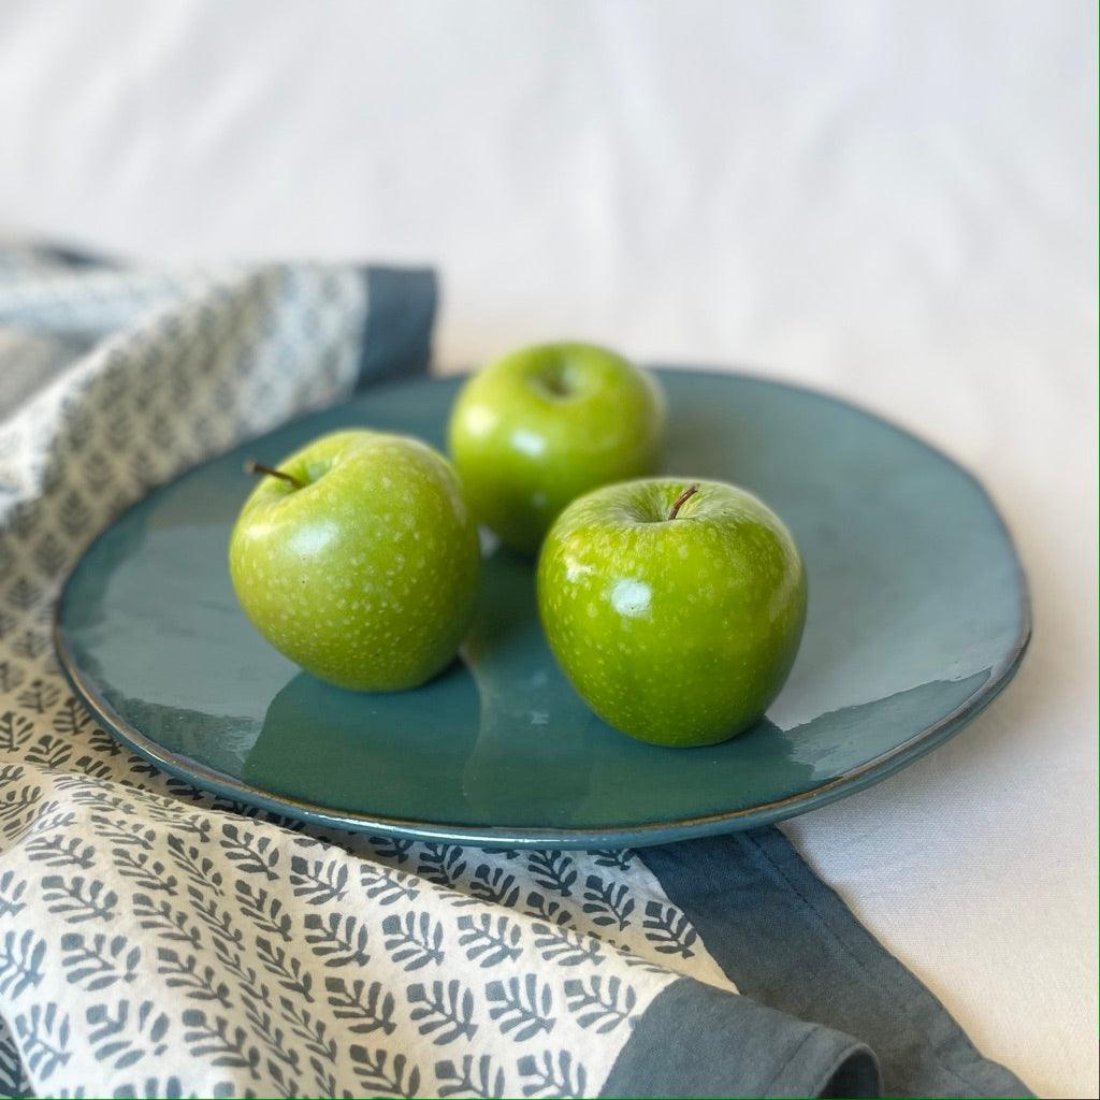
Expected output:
(894, 201)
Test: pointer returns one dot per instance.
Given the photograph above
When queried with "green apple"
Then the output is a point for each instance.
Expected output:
(675, 608)
(543, 425)
(358, 559)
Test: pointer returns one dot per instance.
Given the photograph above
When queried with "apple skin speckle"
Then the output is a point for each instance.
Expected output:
(678, 632)
(367, 576)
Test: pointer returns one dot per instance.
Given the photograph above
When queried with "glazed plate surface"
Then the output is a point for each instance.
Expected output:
(918, 616)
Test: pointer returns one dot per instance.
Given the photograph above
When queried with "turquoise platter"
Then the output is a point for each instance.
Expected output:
(918, 617)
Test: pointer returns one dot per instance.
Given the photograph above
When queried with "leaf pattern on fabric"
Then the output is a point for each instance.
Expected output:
(368, 1006)
(521, 1008)
(318, 881)
(414, 940)
(339, 937)
(97, 962)
(184, 971)
(599, 1002)
(553, 871)
(552, 1074)
(20, 962)
(669, 929)
(442, 864)
(609, 903)
(382, 1074)
(443, 1010)
(11, 890)
(79, 899)
(470, 1077)
(56, 851)
(125, 1034)
(487, 941)
(43, 1037)
(225, 1043)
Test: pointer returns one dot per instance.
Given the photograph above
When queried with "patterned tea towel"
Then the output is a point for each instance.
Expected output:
(155, 941)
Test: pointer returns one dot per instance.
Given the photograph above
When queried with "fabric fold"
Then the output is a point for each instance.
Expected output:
(738, 890)
(696, 1040)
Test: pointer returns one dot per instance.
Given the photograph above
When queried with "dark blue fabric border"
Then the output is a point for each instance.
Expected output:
(397, 336)
(788, 941)
(695, 1040)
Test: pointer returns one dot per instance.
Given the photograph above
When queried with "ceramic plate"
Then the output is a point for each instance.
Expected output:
(918, 616)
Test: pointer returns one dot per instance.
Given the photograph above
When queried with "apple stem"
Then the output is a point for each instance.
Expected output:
(254, 467)
(679, 502)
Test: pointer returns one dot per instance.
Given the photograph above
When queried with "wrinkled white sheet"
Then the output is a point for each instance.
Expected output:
(894, 201)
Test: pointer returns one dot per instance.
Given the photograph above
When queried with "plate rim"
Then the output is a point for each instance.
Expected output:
(606, 836)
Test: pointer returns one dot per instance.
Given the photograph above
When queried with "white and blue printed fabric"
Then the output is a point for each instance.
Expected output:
(159, 942)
